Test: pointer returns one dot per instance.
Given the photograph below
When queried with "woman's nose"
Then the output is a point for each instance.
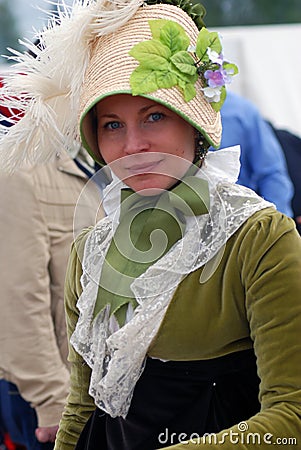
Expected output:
(136, 141)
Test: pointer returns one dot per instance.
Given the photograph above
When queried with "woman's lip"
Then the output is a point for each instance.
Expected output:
(143, 168)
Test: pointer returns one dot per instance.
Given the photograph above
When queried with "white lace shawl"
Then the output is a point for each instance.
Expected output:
(117, 359)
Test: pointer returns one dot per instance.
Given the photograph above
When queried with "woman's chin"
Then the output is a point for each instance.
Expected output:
(149, 184)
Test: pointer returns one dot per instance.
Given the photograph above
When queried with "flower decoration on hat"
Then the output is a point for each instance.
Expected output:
(196, 11)
(168, 60)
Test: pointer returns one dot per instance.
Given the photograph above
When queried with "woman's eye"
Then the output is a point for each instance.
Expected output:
(112, 125)
(154, 117)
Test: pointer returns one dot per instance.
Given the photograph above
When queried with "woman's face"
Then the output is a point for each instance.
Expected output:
(147, 146)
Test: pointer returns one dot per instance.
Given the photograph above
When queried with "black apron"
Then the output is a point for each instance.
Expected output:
(176, 400)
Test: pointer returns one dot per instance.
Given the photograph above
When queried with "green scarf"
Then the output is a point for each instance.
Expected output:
(148, 228)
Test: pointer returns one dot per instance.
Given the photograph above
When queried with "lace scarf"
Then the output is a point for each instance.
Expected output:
(117, 358)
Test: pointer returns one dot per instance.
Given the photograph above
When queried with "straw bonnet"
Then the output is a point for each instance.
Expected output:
(111, 66)
(87, 53)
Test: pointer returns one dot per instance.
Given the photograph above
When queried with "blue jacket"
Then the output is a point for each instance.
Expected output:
(263, 164)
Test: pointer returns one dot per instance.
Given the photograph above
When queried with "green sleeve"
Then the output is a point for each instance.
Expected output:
(79, 404)
(269, 261)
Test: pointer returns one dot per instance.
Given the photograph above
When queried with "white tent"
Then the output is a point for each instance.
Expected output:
(269, 61)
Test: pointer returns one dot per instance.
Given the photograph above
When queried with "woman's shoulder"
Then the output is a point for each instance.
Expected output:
(270, 220)
(79, 242)
(99, 229)
(82, 236)
(91, 239)
(266, 227)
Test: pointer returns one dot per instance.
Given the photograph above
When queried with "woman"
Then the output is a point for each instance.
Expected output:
(182, 303)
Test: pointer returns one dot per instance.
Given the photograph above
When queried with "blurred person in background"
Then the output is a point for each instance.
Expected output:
(38, 205)
(291, 144)
(263, 163)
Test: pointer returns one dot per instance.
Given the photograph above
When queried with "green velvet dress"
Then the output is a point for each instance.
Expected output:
(251, 301)
(239, 298)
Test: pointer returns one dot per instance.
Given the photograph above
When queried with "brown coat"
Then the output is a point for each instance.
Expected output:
(37, 211)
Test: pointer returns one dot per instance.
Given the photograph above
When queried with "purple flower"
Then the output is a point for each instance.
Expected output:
(216, 78)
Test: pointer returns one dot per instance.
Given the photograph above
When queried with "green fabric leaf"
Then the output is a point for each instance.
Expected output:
(195, 10)
(217, 105)
(186, 77)
(207, 39)
(189, 92)
(214, 42)
(166, 80)
(182, 84)
(170, 34)
(230, 66)
(184, 62)
(151, 54)
(143, 81)
(174, 37)
(156, 27)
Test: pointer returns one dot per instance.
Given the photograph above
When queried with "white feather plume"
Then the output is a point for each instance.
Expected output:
(44, 84)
